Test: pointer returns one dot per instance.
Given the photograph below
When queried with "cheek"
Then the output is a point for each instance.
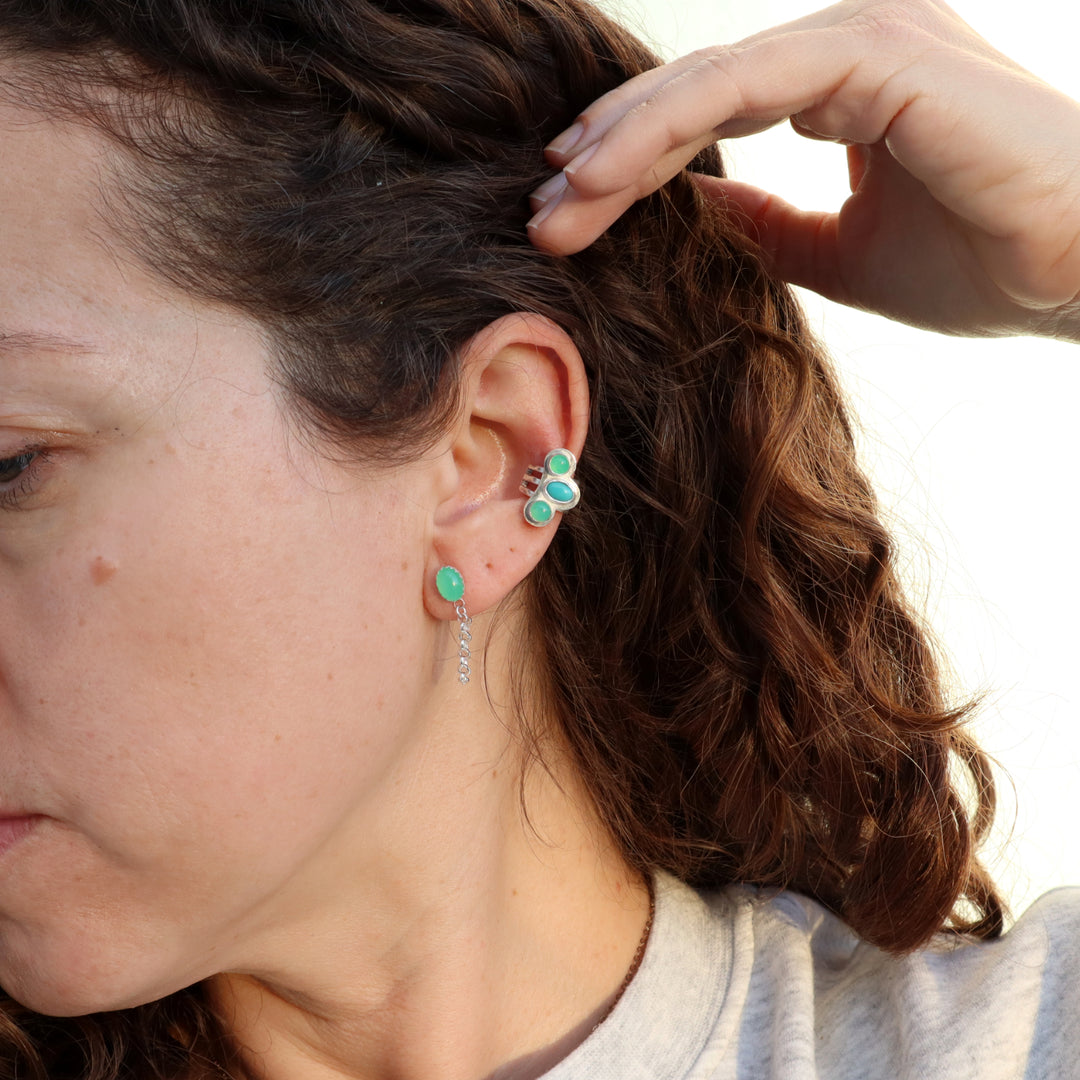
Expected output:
(242, 663)
(200, 704)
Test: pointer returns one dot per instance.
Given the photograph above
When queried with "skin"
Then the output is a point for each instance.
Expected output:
(229, 687)
(230, 793)
(964, 215)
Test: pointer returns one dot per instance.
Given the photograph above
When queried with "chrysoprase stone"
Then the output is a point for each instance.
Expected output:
(559, 464)
(539, 513)
(450, 583)
(560, 492)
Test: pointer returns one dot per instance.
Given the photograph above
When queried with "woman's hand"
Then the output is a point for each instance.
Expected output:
(965, 169)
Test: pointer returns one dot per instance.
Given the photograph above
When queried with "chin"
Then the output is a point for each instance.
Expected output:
(50, 996)
(78, 980)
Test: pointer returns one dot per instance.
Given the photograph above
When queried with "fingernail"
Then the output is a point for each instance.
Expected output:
(546, 212)
(581, 159)
(556, 185)
(566, 142)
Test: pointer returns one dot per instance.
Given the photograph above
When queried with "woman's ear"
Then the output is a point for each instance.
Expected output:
(524, 393)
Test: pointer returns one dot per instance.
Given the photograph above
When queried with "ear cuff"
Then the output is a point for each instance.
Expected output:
(550, 487)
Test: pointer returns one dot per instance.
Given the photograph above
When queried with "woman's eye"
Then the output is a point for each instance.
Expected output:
(13, 467)
(19, 477)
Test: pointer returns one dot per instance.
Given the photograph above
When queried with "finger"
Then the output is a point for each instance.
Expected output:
(722, 93)
(798, 125)
(577, 222)
(692, 103)
(851, 83)
(843, 74)
(647, 145)
(799, 245)
(857, 161)
(586, 218)
(606, 111)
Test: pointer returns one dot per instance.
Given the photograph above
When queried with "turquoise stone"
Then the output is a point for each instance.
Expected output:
(559, 464)
(450, 583)
(560, 492)
(539, 513)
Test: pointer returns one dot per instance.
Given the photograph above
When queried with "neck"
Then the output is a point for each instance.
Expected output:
(460, 941)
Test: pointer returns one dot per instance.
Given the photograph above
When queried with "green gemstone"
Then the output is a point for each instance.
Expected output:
(559, 491)
(539, 513)
(450, 583)
(559, 464)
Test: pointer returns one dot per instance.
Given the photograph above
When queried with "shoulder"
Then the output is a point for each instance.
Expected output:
(739, 984)
(810, 992)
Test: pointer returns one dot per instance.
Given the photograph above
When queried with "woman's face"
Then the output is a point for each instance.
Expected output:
(211, 639)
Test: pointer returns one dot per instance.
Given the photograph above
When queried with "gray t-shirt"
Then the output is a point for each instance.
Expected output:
(737, 985)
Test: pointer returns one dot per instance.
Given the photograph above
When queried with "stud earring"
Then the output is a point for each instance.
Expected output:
(451, 586)
(550, 487)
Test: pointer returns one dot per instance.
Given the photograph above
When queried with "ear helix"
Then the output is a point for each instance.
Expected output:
(451, 586)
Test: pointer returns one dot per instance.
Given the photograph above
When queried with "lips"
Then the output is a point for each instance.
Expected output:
(15, 828)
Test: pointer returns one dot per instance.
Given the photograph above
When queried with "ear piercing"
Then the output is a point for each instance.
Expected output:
(451, 586)
(550, 487)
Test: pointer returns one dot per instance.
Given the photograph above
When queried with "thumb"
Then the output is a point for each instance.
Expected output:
(800, 246)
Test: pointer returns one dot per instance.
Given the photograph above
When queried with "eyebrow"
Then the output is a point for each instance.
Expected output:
(15, 341)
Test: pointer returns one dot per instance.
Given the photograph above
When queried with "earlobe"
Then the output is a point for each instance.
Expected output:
(524, 418)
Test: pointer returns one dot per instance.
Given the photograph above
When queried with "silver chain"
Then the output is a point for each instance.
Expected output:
(464, 637)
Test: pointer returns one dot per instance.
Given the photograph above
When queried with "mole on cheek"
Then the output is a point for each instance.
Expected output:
(101, 569)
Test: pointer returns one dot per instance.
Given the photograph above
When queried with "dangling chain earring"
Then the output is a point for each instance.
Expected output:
(451, 586)
(464, 637)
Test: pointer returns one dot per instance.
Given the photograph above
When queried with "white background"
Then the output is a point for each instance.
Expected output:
(972, 445)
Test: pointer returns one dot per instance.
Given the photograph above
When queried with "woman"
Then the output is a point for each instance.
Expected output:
(339, 743)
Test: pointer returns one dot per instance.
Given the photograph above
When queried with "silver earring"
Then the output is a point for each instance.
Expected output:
(550, 487)
(451, 586)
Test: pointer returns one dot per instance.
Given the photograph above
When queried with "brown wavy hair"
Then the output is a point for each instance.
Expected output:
(718, 628)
